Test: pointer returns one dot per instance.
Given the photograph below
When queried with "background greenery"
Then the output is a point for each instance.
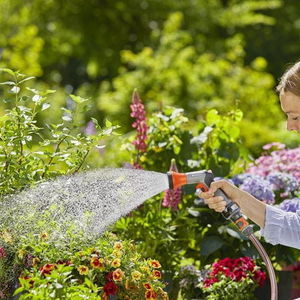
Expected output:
(191, 54)
(217, 60)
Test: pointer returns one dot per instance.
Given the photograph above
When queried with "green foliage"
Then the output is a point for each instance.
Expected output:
(193, 232)
(85, 270)
(177, 73)
(30, 153)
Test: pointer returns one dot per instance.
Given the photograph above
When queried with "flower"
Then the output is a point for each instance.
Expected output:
(154, 264)
(259, 189)
(284, 160)
(110, 288)
(259, 277)
(172, 196)
(90, 128)
(291, 205)
(116, 263)
(117, 253)
(156, 274)
(35, 261)
(150, 295)
(275, 146)
(47, 269)
(235, 269)
(118, 246)
(283, 181)
(240, 178)
(118, 275)
(147, 286)
(83, 270)
(136, 275)
(139, 114)
(44, 236)
(2, 252)
(97, 263)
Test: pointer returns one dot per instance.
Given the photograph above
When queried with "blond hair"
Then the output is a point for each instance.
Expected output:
(290, 80)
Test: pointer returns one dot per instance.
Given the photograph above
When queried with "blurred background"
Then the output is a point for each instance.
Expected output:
(192, 54)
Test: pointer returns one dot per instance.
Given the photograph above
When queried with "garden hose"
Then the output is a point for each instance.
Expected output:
(232, 212)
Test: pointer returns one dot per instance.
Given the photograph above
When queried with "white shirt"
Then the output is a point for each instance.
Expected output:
(282, 227)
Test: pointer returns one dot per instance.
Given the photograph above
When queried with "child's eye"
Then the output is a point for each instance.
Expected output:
(295, 118)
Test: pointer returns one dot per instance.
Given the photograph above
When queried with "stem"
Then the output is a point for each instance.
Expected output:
(52, 157)
(78, 168)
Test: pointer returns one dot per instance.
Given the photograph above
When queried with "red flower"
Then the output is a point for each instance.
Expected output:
(259, 277)
(47, 269)
(109, 276)
(110, 288)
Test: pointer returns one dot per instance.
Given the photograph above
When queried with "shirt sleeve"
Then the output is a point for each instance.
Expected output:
(282, 227)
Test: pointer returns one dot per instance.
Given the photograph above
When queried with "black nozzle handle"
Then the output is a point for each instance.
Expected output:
(232, 210)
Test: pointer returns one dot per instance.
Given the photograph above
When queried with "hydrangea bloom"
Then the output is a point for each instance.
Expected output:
(283, 181)
(291, 205)
(240, 178)
(260, 189)
(285, 161)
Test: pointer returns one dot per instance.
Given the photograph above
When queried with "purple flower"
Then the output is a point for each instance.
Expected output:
(240, 178)
(259, 188)
(90, 128)
(291, 205)
(283, 181)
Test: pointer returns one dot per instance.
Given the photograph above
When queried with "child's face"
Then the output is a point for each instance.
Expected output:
(290, 104)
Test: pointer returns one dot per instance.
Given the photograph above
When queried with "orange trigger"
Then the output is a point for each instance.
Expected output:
(202, 186)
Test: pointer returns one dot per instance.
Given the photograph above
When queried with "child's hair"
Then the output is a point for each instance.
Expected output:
(290, 80)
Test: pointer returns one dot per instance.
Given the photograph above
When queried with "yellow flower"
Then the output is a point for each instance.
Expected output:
(21, 253)
(156, 274)
(154, 264)
(83, 270)
(7, 237)
(118, 246)
(118, 275)
(35, 261)
(97, 263)
(44, 236)
(116, 263)
(136, 275)
(117, 253)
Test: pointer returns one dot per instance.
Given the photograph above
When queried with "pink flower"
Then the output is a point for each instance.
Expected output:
(139, 114)
(2, 252)
(172, 197)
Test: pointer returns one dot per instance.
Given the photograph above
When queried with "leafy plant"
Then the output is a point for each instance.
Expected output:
(106, 267)
(30, 153)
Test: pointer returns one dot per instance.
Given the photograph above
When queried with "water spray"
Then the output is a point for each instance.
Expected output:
(232, 212)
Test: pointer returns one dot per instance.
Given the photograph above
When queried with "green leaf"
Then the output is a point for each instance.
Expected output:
(212, 117)
(108, 123)
(26, 79)
(78, 99)
(9, 71)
